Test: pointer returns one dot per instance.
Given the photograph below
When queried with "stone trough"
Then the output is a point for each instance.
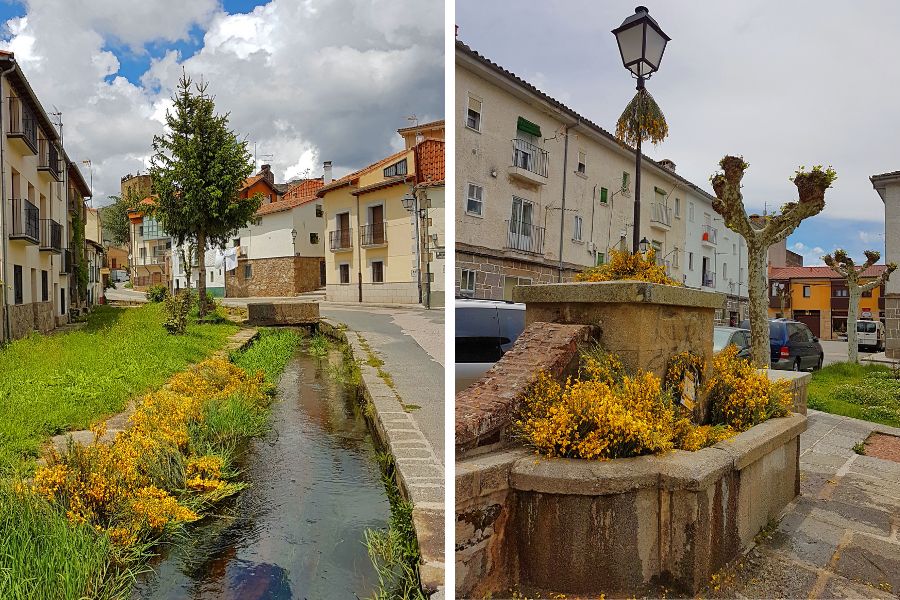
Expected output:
(267, 314)
(624, 526)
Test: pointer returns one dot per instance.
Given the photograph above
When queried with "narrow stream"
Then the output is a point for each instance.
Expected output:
(297, 532)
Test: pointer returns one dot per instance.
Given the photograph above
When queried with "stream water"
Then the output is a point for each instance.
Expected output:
(297, 532)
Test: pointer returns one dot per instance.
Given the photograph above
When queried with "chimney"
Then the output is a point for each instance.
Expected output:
(326, 172)
(667, 164)
(266, 172)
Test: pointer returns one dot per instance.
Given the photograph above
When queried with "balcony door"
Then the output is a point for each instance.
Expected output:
(520, 225)
(343, 226)
(376, 221)
(524, 149)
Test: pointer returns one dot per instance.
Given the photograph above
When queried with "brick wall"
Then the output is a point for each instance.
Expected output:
(272, 277)
(484, 409)
(490, 271)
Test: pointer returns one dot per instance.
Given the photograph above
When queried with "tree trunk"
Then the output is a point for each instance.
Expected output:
(187, 261)
(201, 279)
(852, 312)
(759, 314)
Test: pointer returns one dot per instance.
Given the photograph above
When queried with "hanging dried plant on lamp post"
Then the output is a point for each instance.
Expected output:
(642, 120)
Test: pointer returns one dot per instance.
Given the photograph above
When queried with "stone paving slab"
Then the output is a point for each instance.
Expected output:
(841, 537)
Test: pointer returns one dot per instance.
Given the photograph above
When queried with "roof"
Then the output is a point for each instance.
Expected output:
(429, 161)
(581, 120)
(304, 188)
(890, 175)
(348, 179)
(817, 272)
(439, 124)
(80, 183)
(282, 205)
(255, 178)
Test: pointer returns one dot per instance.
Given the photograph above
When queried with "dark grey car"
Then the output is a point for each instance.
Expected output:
(725, 336)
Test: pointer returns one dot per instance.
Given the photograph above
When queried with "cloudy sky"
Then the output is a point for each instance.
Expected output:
(307, 81)
(783, 83)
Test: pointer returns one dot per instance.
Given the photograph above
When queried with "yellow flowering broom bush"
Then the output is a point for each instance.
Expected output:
(155, 474)
(740, 396)
(622, 265)
(606, 413)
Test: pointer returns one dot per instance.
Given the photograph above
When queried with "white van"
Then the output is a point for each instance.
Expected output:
(485, 330)
(870, 334)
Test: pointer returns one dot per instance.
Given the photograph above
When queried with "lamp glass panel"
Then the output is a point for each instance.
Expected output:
(631, 43)
(655, 46)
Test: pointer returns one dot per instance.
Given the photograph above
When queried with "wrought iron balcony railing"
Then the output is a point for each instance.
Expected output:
(51, 235)
(709, 279)
(373, 234)
(22, 122)
(524, 237)
(709, 234)
(48, 158)
(660, 213)
(25, 221)
(527, 156)
(65, 266)
(340, 239)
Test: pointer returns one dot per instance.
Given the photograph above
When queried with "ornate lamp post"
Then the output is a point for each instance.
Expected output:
(641, 44)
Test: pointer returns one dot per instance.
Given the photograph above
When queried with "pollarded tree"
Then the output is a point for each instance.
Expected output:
(762, 233)
(198, 167)
(844, 266)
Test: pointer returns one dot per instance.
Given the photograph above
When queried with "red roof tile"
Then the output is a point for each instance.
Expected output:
(430, 161)
(817, 272)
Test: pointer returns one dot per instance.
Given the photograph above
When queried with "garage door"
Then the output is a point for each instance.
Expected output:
(809, 318)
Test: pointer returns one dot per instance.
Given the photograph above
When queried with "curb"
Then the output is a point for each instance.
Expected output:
(419, 472)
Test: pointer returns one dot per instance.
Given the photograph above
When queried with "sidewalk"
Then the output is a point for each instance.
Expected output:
(841, 537)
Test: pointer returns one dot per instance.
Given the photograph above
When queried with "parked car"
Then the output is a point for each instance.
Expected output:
(793, 345)
(870, 335)
(485, 330)
(725, 336)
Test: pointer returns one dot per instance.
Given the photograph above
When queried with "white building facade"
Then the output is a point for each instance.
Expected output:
(888, 187)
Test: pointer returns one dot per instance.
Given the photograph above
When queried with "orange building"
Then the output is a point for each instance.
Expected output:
(818, 297)
(263, 183)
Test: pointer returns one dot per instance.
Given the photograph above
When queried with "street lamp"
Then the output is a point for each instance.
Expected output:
(641, 45)
(644, 245)
(409, 201)
(294, 240)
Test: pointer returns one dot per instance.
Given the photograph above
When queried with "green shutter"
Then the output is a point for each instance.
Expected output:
(528, 127)
(604, 195)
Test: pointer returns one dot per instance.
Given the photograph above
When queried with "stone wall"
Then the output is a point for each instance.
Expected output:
(282, 313)
(490, 271)
(44, 320)
(283, 276)
(892, 326)
(21, 320)
(2, 324)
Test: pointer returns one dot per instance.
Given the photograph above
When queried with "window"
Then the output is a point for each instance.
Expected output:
(724, 271)
(734, 248)
(867, 294)
(660, 195)
(576, 235)
(17, 284)
(473, 114)
(475, 200)
(313, 238)
(601, 258)
(626, 179)
(511, 282)
(678, 207)
(807, 292)
(141, 230)
(344, 273)
(142, 252)
(319, 211)
(236, 242)
(467, 282)
(691, 212)
(604, 196)
(377, 271)
(248, 271)
(212, 275)
(396, 169)
(45, 287)
(582, 159)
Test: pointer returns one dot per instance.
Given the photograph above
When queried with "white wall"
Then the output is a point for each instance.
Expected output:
(271, 237)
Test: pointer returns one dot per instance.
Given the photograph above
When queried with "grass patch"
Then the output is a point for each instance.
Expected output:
(270, 353)
(318, 345)
(395, 551)
(868, 392)
(58, 383)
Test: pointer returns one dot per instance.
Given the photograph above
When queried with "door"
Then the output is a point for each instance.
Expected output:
(520, 225)
(343, 225)
(376, 220)
(322, 273)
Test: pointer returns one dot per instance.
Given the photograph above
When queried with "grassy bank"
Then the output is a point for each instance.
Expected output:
(868, 392)
(89, 519)
(57, 383)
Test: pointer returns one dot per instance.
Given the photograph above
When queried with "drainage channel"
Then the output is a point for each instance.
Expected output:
(298, 531)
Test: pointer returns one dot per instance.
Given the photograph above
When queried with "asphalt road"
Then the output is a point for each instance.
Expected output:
(837, 351)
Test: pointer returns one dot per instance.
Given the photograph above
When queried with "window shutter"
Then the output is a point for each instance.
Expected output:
(528, 127)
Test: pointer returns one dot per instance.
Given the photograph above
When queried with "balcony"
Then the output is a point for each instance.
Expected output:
(666, 264)
(709, 235)
(524, 237)
(26, 223)
(660, 216)
(340, 240)
(65, 266)
(529, 162)
(23, 125)
(51, 236)
(48, 159)
(709, 279)
(372, 235)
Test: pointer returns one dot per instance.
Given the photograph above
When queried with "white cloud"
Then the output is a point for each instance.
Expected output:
(306, 81)
(871, 237)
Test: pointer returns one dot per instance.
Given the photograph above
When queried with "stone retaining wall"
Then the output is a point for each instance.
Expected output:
(282, 313)
(274, 277)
